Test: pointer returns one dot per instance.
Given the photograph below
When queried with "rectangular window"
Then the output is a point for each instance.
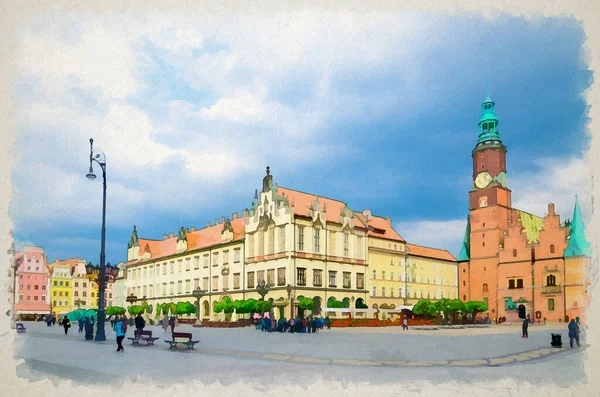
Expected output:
(164, 289)
(188, 284)
(236, 281)
(251, 245)
(382, 291)
(157, 269)
(511, 284)
(179, 265)
(347, 280)
(188, 264)
(260, 276)
(172, 267)
(76, 293)
(301, 276)
(400, 292)
(172, 288)
(374, 274)
(215, 283)
(332, 241)
(84, 293)
(383, 275)
(215, 259)
(164, 267)
(317, 240)
(281, 239)
(392, 276)
(35, 298)
(179, 287)
(250, 278)
(300, 238)
(551, 305)
(236, 255)
(519, 283)
(359, 248)
(55, 283)
(76, 284)
(205, 261)
(43, 298)
(281, 276)
(144, 291)
(360, 280)
(346, 245)
(271, 277)
(485, 300)
(61, 283)
(196, 262)
(197, 283)
(205, 284)
(151, 291)
(317, 278)
(374, 291)
(332, 282)
(35, 287)
(225, 282)
(226, 257)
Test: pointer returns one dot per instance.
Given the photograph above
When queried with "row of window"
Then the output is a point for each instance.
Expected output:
(408, 293)
(145, 272)
(35, 287)
(260, 244)
(332, 242)
(408, 278)
(318, 278)
(518, 283)
(35, 298)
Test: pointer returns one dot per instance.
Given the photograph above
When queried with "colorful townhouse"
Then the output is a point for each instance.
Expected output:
(518, 263)
(61, 287)
(32, 283)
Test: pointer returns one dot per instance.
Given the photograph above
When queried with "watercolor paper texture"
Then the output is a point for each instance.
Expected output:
(306, 198)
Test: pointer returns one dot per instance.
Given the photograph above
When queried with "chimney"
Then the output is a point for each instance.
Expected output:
(550, 209)
(222, 219)
(245, 213)
(193, 229)
(235, 215)
(166, 236)
(217, 221)
(171, 235)
(207, 223)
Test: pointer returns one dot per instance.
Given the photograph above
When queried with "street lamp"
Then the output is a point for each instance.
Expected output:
(198, 293)
(131, 299)
(263, 288)
(78, 302)
(289, 291)
(100, 158)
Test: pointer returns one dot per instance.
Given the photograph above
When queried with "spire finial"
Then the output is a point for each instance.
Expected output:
(268, 170)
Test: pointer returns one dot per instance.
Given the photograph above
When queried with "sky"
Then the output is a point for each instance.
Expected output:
(379, 111)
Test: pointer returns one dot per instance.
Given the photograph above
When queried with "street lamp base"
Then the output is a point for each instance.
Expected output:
(100, 338)
(198, 323)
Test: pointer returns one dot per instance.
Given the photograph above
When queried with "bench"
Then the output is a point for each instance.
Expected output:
(20, 328)
(183, 338)
(142, 336)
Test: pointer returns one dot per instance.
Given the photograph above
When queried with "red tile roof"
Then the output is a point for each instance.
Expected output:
(202, 238)
(428, 252)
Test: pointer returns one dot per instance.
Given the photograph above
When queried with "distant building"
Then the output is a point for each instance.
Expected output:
(85, 289)
(119, 289)
(61, 287)
(518, 263)
(32, 283)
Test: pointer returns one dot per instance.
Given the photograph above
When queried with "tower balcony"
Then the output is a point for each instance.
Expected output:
(551, 289)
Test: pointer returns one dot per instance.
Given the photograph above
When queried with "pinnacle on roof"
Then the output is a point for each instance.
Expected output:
(578, 244)
(465, 250)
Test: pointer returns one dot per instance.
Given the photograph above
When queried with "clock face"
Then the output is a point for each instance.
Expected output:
(502, 179)
(482, 180)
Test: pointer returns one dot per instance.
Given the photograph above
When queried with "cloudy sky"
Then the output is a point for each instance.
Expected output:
(380, 111)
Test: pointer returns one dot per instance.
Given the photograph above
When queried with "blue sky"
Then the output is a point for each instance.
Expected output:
(378, 111)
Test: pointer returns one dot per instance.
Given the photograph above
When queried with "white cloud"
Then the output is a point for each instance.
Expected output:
(442, 234)
(241, 106)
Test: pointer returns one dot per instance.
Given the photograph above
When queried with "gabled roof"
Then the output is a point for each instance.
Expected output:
(532, 225)
(578, 244)
(377, 226)
(427, 252)
(202, 238)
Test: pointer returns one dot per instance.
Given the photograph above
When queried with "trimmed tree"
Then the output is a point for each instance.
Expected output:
(424, 308)
(475, 307)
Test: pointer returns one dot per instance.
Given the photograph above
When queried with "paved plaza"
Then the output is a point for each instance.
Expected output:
(379, 355)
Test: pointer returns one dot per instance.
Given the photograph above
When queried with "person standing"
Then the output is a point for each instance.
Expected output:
(81, 324)
(404, 323)
(49, 320)
(165, 323)
(172, 323)
(573, 333)
(328, 322)
(140, 323)
(66, 324)
(120, 329)
(525, 326)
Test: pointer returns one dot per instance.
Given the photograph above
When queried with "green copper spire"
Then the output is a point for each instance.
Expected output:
(578, 244)
(488, 123)
(465, 250)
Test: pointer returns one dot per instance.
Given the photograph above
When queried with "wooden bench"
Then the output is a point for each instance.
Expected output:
(142, 336)
(20, 328)
(182, 338)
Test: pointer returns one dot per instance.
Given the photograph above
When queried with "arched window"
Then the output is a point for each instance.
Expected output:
(515, 253)
(551, 280)
(464, 283)
(464, 297)
(551, 248)
(485, 287)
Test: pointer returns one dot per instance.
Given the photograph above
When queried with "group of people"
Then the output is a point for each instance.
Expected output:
(295, 325)
(50, 319)
(573, 330)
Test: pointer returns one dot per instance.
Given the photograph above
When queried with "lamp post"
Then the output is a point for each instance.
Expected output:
(100, 158)
(198, 293)
(78, 302)
(263, 288)
(289, 291)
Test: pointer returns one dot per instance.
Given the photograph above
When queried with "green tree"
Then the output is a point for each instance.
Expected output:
(135, 310)
(306, 304)
(262, 307)
(475, 307)
(442, 306)
(425, 308)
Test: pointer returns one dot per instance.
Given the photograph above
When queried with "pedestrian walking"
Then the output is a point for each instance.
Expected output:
(172, 323)
(53, 319)
(573, 333)
(66, 324)
(292, 325)
(165, 323)
(140, 323)
(404, 323)
(313, 325)
(81, 324)
(49, 320)
(525, 326)
(328, 322)
(120, 330)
